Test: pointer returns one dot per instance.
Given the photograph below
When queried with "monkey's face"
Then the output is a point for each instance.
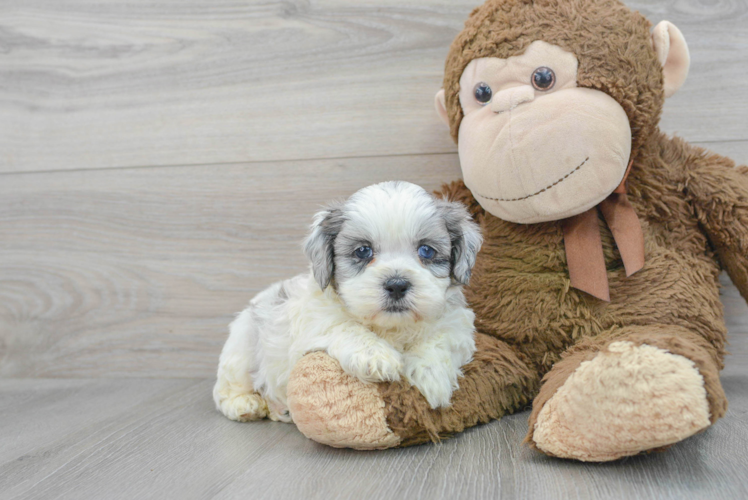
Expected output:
(546, 100)
(533, 145)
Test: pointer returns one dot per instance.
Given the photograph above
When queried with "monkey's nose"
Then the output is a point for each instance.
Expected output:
(509, 99)
(396, 287)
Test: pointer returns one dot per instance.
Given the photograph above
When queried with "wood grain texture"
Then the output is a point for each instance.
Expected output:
(137, 272)
(87, 84)
(169, 442)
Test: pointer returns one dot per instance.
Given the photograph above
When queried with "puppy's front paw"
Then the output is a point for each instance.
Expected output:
(376, 363)
(436, 382)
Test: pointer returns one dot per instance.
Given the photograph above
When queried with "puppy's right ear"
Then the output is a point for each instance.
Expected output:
(319, 245)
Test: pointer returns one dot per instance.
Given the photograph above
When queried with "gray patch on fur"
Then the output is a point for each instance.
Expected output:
(282, 292)
(465, 236)
(320, 245)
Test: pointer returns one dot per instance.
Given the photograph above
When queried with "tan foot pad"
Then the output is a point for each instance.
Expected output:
(626, 400)
(333, 408)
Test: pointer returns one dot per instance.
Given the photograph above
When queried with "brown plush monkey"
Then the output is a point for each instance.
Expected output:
(554, 103)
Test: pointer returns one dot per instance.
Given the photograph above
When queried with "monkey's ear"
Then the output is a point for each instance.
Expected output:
(441, 107)
(672, 52)
(320, 244)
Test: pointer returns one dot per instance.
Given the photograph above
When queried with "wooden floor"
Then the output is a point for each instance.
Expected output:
(159, 163)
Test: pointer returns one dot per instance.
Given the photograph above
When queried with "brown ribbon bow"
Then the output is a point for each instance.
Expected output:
(584, 248)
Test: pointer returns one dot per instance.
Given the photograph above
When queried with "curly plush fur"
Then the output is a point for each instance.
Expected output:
(660, 342)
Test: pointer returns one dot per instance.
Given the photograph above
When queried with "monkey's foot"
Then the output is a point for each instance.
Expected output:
(625, 400)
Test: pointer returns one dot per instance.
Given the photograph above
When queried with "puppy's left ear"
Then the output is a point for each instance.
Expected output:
(465, 236)
(320, 244)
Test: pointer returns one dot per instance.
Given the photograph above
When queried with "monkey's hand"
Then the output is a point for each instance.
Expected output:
(718, 192)
(332, 407)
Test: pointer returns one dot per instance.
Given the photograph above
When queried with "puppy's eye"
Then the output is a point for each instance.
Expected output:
(426, 252)
(482, 93)
(363, 252)
(543, 78)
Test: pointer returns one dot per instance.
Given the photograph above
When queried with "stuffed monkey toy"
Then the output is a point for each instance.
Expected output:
(596, 292)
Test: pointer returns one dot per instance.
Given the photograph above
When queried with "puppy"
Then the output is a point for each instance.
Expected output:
(384, 298)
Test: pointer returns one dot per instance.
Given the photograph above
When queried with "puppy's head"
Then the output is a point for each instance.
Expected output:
(393, 252)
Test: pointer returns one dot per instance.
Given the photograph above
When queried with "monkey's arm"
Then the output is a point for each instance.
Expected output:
(333, 408)
(718, 193)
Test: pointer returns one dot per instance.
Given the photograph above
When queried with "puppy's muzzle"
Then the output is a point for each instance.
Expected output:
(396, 288)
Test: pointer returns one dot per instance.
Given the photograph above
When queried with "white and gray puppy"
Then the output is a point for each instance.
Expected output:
(384, 298)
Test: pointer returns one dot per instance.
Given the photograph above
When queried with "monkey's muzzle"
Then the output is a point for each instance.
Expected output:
(549, 158)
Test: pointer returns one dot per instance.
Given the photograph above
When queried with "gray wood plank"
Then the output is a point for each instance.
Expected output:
(131, 272)
(171, 443)
(88, 84)
(36, 412)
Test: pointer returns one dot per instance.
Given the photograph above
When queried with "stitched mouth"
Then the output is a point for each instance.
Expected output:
(562, 179)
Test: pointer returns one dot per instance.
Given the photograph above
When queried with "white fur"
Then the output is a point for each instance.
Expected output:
(426, 344)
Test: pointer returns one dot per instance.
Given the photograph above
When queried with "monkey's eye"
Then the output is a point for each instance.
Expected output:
(543, 78)
(482, 93)
(363, 252)
(426, 252)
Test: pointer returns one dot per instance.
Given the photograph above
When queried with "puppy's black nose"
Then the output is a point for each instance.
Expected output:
(396, 287)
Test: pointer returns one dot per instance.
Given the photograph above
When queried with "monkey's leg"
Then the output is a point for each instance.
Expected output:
(633, 389)
(336, 409)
